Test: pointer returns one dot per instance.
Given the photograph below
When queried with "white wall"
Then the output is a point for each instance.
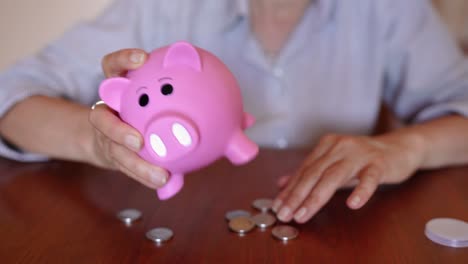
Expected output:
(27, 25)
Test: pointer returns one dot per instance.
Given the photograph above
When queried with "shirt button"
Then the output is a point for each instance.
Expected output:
(282, 143)
(278, 72)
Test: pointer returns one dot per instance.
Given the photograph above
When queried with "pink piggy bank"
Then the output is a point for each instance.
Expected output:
(187, 106)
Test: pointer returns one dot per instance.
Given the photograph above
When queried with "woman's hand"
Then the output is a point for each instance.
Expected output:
(115, 144)
(118, 63)
(338, 161)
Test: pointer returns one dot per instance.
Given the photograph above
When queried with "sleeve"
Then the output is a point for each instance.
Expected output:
(71, 66)
(426, 71)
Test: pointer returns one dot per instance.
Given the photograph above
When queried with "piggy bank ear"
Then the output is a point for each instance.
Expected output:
(111, 91)
(183, 53)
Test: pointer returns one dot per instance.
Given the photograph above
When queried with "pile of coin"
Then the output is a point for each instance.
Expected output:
(239, 221)
(242, 222)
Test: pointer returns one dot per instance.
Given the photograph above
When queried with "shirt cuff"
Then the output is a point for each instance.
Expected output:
(444, 109)
(18, 155)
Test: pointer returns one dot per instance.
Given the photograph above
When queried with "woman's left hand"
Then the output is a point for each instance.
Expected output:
(340, 160)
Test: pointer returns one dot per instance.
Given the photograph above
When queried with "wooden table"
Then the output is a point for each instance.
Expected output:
(65, 213)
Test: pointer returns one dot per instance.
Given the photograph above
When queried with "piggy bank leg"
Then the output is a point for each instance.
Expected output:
(241, 149)
(172, 187)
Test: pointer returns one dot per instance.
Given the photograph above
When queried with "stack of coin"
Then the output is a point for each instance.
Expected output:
(264, 220)
(128, 216)
(236, 213)
(263, 205)
(285, 232)
(241, 225)
(159, 235)
(241, 221)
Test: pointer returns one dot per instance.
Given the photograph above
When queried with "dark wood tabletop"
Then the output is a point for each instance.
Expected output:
(60, 212)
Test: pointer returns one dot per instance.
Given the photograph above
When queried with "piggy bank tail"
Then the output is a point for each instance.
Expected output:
(241, 149)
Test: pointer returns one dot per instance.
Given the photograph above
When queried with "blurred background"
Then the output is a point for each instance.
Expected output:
(27, 25)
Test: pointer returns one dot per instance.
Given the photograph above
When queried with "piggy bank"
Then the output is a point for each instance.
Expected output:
(187, 105)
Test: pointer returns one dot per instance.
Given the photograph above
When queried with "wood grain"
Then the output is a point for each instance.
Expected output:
(62, 212)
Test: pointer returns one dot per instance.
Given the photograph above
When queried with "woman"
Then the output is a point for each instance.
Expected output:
(307, 69)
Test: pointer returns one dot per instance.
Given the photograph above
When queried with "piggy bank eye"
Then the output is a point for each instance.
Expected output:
(167, 89)
(144, 100)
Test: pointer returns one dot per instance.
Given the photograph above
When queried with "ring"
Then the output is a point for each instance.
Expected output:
(96, 104)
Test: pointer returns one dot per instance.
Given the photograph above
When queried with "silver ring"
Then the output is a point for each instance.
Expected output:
(97, 103)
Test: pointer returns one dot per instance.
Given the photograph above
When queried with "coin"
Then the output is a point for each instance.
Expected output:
(263, 220)
(448, 232)
(159, 235)
(284, 232)
(264, 205)
(236, 213)
(241, 224)
(129, 216)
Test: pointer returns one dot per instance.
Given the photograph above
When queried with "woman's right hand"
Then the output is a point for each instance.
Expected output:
(115, 143)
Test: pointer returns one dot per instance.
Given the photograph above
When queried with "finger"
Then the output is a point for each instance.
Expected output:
(289, 184)
(319, 151)
(324, 146)
(112, 127)
(131, 174)
(119, 62)
(283, 180)
(369, 181)
(152, 176)
(350, 184)
(295, 195)
(331, 179)
(103, 144)
(134, 176)
(297, 179)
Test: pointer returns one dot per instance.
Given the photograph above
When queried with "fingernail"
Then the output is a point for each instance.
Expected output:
(133, 142)
(283, 179)
(276, 205)
(137, 57)
(284, 214)
(157, 177)
(300, 214)
(355, 201)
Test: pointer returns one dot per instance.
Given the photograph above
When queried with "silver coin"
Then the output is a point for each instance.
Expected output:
(236, 213)
(263, 205)
(284, 232)
(160, 234)
(448, 232)
(129, 216)
(241, 225)
(263, 220)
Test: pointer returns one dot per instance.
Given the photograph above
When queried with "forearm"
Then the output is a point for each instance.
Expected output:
(441, 142)
(50, 126)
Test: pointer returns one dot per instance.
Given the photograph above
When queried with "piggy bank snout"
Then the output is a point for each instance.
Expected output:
(170, 137)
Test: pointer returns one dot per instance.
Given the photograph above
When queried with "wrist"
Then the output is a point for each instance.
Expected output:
(84, 137)
(413, 144)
